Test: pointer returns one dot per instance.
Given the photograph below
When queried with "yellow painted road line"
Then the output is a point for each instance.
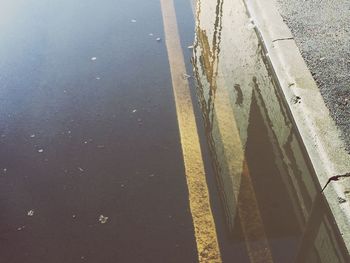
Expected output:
(203, 221)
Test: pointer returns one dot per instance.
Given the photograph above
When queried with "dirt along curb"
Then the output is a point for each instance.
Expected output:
(312, 118)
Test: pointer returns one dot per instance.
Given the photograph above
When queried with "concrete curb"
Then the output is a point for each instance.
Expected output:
(316, 127)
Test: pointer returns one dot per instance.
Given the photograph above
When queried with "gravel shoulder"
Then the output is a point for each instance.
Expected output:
(322, 32)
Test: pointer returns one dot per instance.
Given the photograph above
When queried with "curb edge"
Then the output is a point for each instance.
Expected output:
(314, 123)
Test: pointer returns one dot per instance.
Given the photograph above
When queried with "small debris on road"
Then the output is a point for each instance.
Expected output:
(190, 47)
(134, 111)
(98, 78)
(185, 76)
(32, 136)
(151, 34)
(74, 216)
(20, 228)
(80, 169)
(341, 200)
(93, 58)
(40, 150)
(30, 213)
(133, 21)
(158, 39)
(4, 170)
(296, 99)
(103, 219)
(250, 26)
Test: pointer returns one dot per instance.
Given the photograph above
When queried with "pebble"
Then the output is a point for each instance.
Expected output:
(30, 213)
(103, 219)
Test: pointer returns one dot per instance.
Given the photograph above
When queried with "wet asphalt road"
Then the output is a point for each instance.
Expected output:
(84, 137)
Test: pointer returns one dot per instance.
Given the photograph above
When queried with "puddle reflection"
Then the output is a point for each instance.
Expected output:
(263, 174)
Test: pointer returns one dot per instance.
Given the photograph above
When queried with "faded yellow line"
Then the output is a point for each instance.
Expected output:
(203, 221)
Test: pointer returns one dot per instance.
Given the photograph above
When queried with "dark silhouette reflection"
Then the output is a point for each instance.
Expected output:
(267, 184)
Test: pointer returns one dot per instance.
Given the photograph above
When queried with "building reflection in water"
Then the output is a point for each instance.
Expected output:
(267, 184)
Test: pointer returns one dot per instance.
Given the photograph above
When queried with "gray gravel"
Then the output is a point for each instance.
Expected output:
(322, 32)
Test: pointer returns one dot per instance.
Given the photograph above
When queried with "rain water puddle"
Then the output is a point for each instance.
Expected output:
(270, 197)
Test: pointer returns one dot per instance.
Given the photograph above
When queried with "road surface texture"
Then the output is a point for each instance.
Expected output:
(149, 131)
(322, 33)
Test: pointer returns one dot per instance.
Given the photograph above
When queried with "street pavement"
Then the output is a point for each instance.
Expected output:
(322, 33)
(147, 131)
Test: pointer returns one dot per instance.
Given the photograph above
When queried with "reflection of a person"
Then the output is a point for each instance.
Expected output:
(215, 79)
(206, 68)
(224, 138)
